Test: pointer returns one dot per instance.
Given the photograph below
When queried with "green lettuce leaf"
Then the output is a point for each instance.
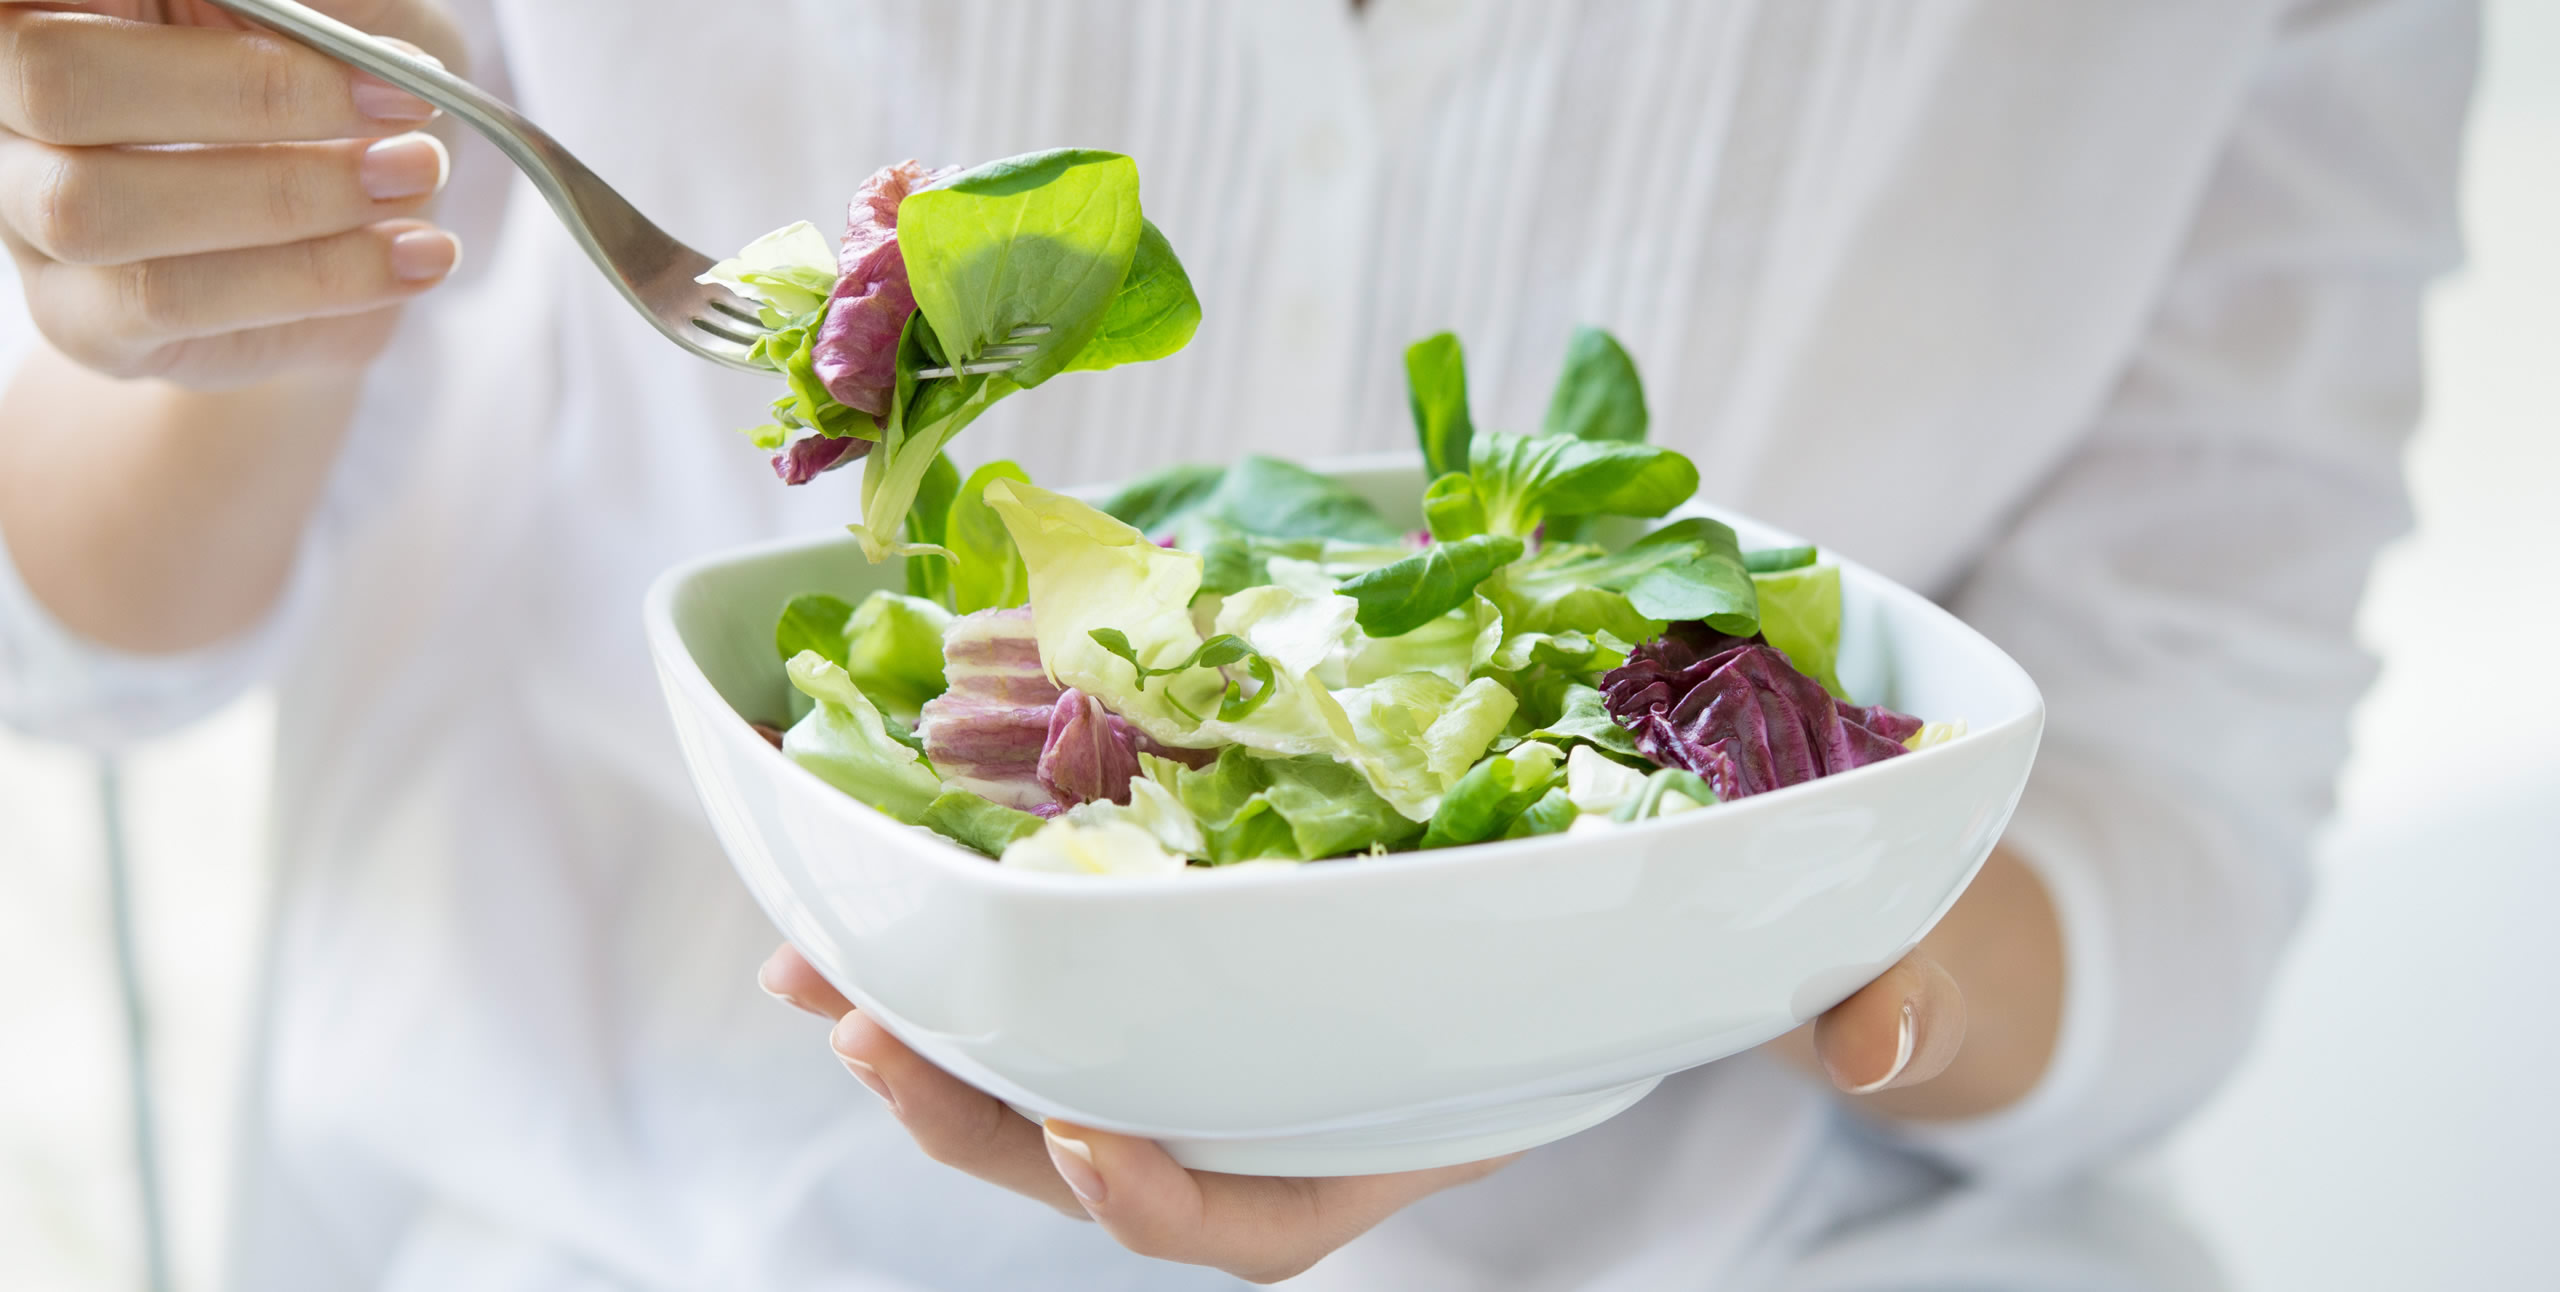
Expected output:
(891, 646)
(975, 821)
(1800, 615)
(1493, 794)
(1302, 809)
(1553, 813)
(986, 569)
(1153, 315)
(1524, 480)
(846, 742)
(1435, 370)
(1043, 240)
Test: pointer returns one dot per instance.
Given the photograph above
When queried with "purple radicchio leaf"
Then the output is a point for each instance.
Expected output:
(985, 734)
(1739, 715)
(1091, 753)
(856, 356)
(812, 456)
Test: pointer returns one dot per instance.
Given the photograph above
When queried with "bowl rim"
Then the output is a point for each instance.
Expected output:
(677, 665)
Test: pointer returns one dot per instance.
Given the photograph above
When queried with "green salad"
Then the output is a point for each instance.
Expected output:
(1249, 663)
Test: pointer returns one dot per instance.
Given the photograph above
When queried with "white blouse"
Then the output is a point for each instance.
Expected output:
(2099, 323)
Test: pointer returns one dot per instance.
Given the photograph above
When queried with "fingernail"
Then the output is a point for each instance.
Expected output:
(1903, 1040)
(1074, 1160)
(382, 101)
(402, 166)
(423, 255)
(870, 1076)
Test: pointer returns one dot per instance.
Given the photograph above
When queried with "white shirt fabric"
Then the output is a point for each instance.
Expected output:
(2097, 322)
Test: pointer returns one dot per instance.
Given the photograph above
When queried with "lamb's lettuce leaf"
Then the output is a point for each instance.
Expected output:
(1435, 370)
(1586, 721)
(1493, 794)
(1600, 396)
(1399, 598)
(1525, 479)
(1156, 504)
(1453, 509)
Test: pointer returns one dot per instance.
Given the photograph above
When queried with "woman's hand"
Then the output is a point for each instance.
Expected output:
(1253, 1227)
(1900, 1044)
(280, 235)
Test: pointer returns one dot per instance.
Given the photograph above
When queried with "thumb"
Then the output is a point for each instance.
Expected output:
(1900, 1030)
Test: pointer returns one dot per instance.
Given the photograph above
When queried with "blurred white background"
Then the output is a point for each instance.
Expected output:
(2392, 1131)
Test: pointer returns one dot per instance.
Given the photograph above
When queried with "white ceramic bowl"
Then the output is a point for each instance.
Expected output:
(1361, 1016)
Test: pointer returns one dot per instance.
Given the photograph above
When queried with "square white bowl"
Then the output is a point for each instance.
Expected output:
(1359, 1016)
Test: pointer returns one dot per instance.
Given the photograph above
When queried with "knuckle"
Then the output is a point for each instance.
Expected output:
(68, 211)
(46, 71)
(276, 92)
(293, 197)
(329, 266)
(157, 295)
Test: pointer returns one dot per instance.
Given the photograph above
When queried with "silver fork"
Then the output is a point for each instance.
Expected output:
(651, 269)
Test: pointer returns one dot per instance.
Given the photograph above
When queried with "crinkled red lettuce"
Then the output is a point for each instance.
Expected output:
(857, 350)
(1734, 711)
(807, 459)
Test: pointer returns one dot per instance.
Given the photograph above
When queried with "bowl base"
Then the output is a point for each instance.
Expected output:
(1413, 1145)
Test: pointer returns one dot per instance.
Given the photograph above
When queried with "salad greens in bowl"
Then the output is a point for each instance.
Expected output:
(1256, 808)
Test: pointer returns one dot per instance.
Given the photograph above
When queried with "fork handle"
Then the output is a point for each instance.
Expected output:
(595, 213)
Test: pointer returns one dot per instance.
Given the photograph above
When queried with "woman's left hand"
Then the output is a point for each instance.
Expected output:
(1258, 1228)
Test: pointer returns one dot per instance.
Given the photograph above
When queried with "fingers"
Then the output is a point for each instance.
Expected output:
(240, 359)
(80, 79)
(954, 1124)
(123, 319)
(791, 979)
(117, 206)
(1900, 1030)
(1258, 1228)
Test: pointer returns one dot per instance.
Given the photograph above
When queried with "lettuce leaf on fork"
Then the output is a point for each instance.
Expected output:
(1048, 250)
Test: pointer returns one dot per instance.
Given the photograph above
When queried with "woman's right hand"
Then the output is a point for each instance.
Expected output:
(282, 237)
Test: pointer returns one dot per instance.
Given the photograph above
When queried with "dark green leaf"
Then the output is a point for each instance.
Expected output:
(1153, 315)
(1599, 397)
(1435, 372)
(1269, 498)
(1703, 579)
(1155, 504)
(1396, 599)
